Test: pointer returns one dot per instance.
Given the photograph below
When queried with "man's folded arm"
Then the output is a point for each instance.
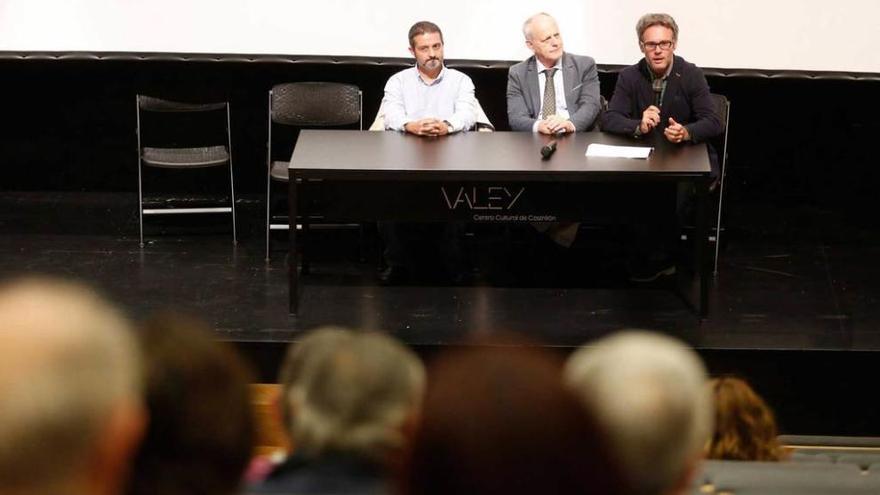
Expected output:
(517, 114)
(618, 119)
(392, 103)
(465, 112)
(587, 100)
(707, 123)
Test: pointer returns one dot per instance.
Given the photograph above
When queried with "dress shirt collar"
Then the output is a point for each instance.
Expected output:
(541, 68)
(435, 81)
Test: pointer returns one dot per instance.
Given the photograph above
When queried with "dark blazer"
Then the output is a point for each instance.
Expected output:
(581, 84)
(687, 100)
(331, 474)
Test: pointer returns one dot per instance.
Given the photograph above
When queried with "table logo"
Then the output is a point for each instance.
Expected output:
(482, 198)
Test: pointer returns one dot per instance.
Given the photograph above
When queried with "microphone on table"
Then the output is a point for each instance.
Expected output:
(548, 149)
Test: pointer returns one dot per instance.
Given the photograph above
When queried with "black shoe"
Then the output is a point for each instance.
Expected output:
(393, 275)
(649, 271)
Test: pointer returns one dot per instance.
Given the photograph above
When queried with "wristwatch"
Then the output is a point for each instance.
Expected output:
(449, 126)
(638, 133)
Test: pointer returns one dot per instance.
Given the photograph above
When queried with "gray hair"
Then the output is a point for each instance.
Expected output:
(67, 361)
(649, 391)
(347, 391)
(526, 27)
(649, 20)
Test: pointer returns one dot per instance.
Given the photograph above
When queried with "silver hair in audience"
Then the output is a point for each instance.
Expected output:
(649, 392)
(347, 391)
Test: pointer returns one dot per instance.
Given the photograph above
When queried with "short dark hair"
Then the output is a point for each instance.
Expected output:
(423, 27)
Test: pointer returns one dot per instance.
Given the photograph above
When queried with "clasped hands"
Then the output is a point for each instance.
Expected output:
(674, 132)
(555, 124)
(427, 127)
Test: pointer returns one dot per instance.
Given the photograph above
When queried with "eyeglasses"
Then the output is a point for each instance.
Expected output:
(663, 45)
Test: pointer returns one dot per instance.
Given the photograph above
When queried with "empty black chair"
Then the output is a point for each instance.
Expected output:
(174, 154)
(305, 105)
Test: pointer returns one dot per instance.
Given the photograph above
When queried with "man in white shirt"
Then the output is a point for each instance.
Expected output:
(432, 100)
(429, 99)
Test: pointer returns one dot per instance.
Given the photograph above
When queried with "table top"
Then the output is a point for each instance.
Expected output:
(364, 154)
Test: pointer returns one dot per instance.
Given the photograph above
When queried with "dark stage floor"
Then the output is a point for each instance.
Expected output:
(806, 295)
(791, 302)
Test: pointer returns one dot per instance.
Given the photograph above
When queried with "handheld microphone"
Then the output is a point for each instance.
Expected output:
(657, 86)
(548, 149)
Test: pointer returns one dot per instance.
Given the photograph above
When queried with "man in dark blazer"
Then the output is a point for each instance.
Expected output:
(663, 95)
(572, 101)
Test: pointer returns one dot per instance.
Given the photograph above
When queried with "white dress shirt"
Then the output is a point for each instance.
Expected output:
(450, 97)
(561, 106)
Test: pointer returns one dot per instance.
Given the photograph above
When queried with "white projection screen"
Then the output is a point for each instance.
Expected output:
(813, 35)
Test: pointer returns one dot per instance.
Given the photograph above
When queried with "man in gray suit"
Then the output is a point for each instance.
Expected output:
(570, 103)
(552, 92)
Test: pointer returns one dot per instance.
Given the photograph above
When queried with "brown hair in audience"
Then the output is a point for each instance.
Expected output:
(201, 432)
(745, 429)
(497, 419)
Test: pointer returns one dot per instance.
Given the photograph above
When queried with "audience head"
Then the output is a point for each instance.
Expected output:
(543, 38)
(348, 392)
(499, 420)
(70, 388)
(745, 429)
(649, 392)
(426, 45)
(658, 36)
(200, 437)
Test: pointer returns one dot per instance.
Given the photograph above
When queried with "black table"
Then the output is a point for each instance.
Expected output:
(344, 176)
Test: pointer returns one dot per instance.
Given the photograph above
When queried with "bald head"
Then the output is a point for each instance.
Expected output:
(68, 366)
(543, 38)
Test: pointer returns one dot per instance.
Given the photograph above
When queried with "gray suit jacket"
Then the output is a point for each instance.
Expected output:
(581, 82)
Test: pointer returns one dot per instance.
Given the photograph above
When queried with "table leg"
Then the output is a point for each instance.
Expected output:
(700, 246)
(292, 262)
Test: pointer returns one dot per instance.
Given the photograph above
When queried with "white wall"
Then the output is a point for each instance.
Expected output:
(765, 34)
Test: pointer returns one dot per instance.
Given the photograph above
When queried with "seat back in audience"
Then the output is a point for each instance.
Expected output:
(782, 478)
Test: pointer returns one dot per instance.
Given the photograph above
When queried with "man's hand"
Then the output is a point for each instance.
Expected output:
(427, 127)
(650, 119)
(555, 124)
(676, 132)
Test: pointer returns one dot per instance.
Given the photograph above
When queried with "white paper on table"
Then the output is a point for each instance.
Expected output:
(609, 151)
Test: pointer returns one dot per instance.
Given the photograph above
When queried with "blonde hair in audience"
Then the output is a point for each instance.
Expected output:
(745, 429)
(67, 362)
(649, 392)
(348, 391)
